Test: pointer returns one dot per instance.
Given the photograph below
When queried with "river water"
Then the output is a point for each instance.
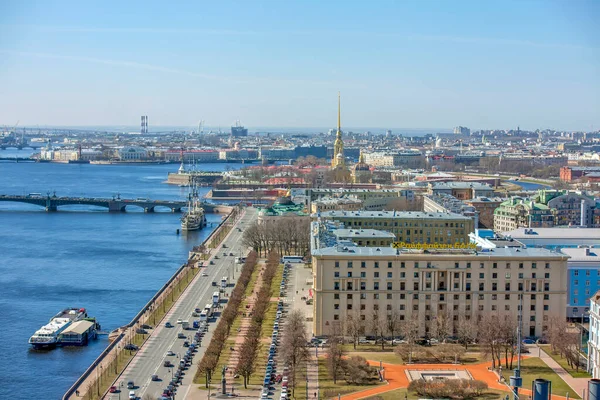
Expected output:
(111, 264)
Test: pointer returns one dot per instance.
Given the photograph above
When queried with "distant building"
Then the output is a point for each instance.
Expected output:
(409, 227)
(203, 156)
(276, 153)
(485, 206)
(373, 199)
(347, 203)
(462, 130)
(361, 172)
(570, 174)
(443, 202)
(238, 130)
(556, 238)
(405, 158)
(315, 151)
(518, 212)
(282, 208)
(461, 190)
(132, 153)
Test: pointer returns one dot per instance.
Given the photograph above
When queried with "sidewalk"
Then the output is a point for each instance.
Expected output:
(577, 384)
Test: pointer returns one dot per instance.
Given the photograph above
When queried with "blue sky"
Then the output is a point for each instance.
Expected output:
(409, 64)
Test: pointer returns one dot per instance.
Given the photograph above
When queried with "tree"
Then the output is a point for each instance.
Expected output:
(410, 331)
(489, 337)
(355, 326)
(393, 324)
(335, 357)
(379, 327)
(294, 349)
(466, 330)
(358, 371)
(441, 326)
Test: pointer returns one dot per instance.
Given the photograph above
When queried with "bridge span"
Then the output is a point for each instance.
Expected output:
(115, 204)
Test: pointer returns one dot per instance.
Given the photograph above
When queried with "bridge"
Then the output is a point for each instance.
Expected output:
(115, 204)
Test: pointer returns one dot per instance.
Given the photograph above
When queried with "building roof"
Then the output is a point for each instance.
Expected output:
(390, 214)
(510, 252)
(363, 233)
(582, 254)
(461, 185)
(483, 199)
(79, 327)
(555, 233)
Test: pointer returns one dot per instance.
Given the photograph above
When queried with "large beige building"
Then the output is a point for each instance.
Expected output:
(408, 226)
(426, 283)
(373, 199)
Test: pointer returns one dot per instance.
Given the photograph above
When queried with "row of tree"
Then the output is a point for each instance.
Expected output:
(209, 361)
(294, 351)
(283, 236)
(566, 341)
(248, 350)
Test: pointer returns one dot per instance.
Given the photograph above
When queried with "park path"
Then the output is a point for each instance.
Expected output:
(246, 321)
(397, 378)
(579, 385)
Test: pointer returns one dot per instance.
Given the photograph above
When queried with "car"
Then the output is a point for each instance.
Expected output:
(216, 257)
(130, 385)
(434, 341)
(230, 254)
(212, 262)
(112, 389)
(179, 321)
(168, 325)
(146, 326)
(203, 274)
(399, 341)
(181, 335)
(186, 344)
(528, 341)
(214, 283)
(154, 378)
(131, 346)
(141, 331)
(167, 364)
(224, 246)
(224, 254)
(132, 395)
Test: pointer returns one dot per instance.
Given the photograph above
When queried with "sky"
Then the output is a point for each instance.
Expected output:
(409, 64)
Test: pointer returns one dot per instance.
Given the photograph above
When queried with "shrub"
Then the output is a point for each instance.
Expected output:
(449, 388)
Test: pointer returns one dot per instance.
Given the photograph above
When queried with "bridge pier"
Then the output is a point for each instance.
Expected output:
(51, 205)
(149, 209)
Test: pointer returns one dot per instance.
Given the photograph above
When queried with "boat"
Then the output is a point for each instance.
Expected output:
(194, 218)
(48, 335)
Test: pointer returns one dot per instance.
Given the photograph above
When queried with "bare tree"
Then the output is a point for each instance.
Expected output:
(441, 326)
(466, 330)
(410, 331)
(489, 337)
(355, 326)
(335, 357)
(379, 327)
(294, 349)
(393, 323)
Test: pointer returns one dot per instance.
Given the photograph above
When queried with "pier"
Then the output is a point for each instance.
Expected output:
(115, 204)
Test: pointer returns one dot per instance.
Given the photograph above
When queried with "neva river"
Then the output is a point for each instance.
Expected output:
(110, 264)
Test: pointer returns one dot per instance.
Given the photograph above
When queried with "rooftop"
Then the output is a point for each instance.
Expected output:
(79, 327)
(582, 254)
(461, 185)
(390, 214)
(363, 233)
(555, 233)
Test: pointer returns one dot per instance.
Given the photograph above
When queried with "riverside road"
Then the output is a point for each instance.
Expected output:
(151, 357)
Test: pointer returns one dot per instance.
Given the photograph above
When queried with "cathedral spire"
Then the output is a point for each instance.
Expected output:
(338, 145)
(339, 127)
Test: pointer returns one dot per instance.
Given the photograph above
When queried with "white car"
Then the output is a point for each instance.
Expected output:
(132, 395)
(203, 274)
(179, 321)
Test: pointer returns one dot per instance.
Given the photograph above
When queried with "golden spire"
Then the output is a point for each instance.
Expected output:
(339, 130)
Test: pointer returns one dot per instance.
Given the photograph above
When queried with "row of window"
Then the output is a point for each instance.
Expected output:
(482, 287)
(390, 275)
(363, 264)
(415, 307)
(442, 297)
(407, 224)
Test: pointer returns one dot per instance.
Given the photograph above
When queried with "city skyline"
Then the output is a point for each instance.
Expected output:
(416, 65)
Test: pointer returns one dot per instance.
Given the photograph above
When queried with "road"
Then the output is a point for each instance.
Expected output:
(151, 357)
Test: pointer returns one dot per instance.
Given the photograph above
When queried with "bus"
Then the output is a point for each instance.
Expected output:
(223, 282)
(203, 316)
(208, 309)
(216, 297)
(292, 259)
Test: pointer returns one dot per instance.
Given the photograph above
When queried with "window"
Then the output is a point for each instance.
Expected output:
(362, 307)
(348, 306)
(468, 265)
(348, 285)
(494, 307)
(547, 275)
(481, 286)
(375, 285)
(415, 285)
(415, 274)
(456, 297)
(402, 264)
(468, 287)
(376, 307)
(533, 265)
(389, 296)
(336, 286)
(532, 308)
(415, 296)
(481, 307)
(481, 275)
(389, 274)
(402, 306)
(456, 265)
(507, 286)
(349, 264)
(468, 275)
(507, 297)
(506, 307)
(363, 296)
(495, 265)
(363, 274)
(336, 274)
(402, 274)
(375, 296)
(520, 265)
(389, 286)
(336, 317)
(337, 264)
(547, 266)
(336, 296)
(587, 272)
(494, 275)
(363, 286)
(533, 275)
(481, 265)
(576, 272)
(547, 288)
(389, 264)
(416, 264)
(520, 275)
(546, 307)
(507, 275)
(507, 265)
(349, 274)
(376, 264)
(363, 264)
(389, 307)
(336, 306)
(376, 274)
(587, 283)
(494, 286)
(402, 286)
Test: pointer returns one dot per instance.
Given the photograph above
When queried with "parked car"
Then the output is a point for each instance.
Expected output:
(167, 364)
(132, 395)
(146, 326)
(141, 331)
(181, 335)
(154, 378)
(203, 273)
(131, 346)
(112, 389)
(168, 325)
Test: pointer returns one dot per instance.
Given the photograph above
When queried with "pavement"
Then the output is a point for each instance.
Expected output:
(150, 358)
(579, 385)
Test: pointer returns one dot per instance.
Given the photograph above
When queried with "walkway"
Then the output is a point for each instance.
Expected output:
(577, 384)
(397, 378)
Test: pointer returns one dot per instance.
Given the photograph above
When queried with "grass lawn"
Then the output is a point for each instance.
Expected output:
(386, 357)
(372, 352)
(563, 363)
(399, 394)
(328, 389)
(532, 368)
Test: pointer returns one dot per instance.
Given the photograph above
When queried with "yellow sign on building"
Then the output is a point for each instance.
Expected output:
(425, 246)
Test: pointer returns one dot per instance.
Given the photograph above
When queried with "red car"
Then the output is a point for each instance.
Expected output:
(113, 389)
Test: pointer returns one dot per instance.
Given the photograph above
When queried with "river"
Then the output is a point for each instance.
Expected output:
(110, 264)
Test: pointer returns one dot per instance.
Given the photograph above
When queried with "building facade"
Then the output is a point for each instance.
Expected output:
(594, 339)
(583, 280)
(347, 203)
(485, 206)
(359, 282)
(373, 199)
(408, 226)
(461, 190)
(518, 212)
